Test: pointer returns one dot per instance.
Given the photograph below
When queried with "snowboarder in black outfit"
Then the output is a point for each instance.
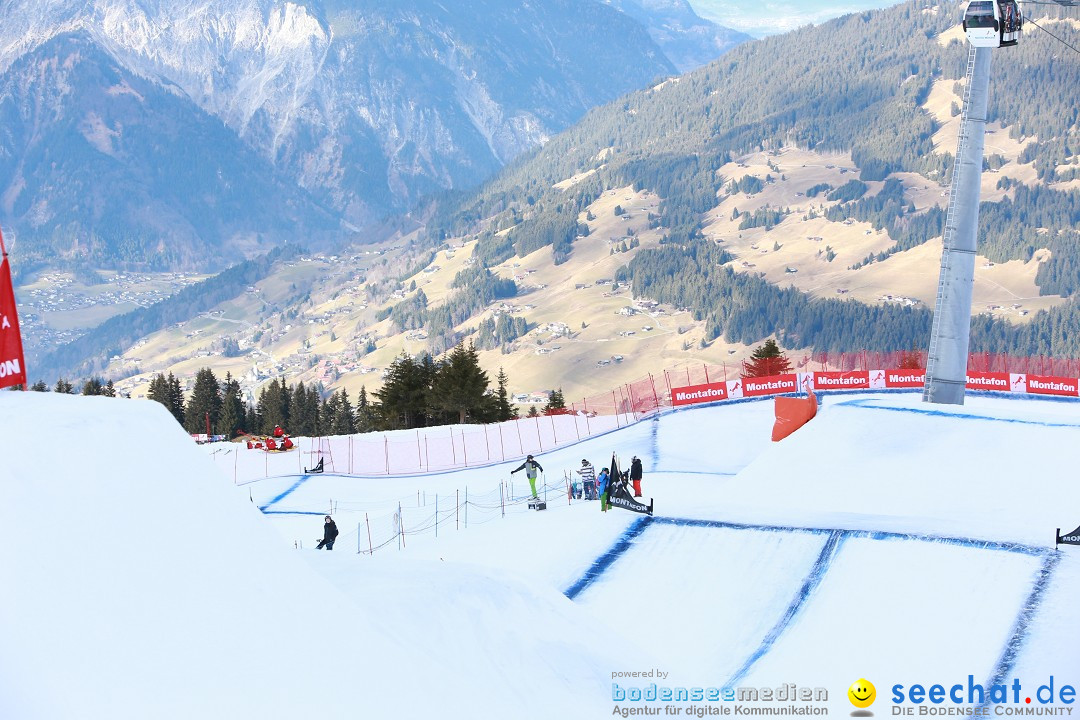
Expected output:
(635, 475)
(330, 533)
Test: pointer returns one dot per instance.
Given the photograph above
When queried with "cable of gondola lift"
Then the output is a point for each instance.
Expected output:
(1063, 42)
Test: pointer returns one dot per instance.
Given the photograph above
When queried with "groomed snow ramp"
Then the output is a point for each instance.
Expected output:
(138, 583)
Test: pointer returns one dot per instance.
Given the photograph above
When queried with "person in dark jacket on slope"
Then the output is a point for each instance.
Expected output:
(635, 475)
(330, 533)
(530, 467)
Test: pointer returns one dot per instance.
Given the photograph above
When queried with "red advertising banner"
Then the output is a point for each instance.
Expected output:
(1043, 385)
(774, 385)
(12, 364)
(838, 380)
(693, 394)
(905, 378)
(990, 381)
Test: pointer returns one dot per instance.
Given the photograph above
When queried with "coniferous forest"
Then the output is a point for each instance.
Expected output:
(855, 84)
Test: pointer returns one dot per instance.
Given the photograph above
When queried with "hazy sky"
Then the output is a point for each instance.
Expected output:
(768, 17)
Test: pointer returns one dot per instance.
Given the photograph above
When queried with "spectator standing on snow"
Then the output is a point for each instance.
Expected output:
(635, 475)
(602, 487)
(530, 467)
(330, 533)
(588, 479)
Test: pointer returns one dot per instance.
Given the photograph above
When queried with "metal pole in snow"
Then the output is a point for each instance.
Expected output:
(371, 550)
(457, 509)
(466, 507)
(436, 514)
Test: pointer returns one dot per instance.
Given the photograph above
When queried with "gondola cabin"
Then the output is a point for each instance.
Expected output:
(993, 23)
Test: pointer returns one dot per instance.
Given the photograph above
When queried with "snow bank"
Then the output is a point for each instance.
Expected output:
(140, 583)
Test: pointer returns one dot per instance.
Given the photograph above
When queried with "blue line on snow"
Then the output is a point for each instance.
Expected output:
(869, 534)
(603, 562)
(282, 496)
(291, 512)
(693, 472)
(963, 416)
(655, 450)
(817, 572)
(1027, 611)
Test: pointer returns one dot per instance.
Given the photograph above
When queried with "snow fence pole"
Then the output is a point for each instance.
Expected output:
(457, 509)
(466, 507)
(502, 498)
(436, 514)
(371, 550)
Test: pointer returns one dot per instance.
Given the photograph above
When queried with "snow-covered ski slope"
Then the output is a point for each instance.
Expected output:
(887, 539)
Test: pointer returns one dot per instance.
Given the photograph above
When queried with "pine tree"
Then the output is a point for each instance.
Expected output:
(555, 403)
(64, 387)
(109, 390)
(460, 385)
(39, 386)
(159, 389)
(344, 423)
(303, 414)
(403, 395)
(92, 386)
(232, 408)
(504, 410)
(251, 419)
(328, 411)
(766, 361)
(365, 412)
(532, 412)
(205, 402)
(176, 398)
(314, 404)
(271, 407)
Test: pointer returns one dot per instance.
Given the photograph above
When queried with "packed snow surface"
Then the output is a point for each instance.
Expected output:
(887, 539)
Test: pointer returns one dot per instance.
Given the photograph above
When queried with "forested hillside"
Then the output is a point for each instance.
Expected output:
(856, 85)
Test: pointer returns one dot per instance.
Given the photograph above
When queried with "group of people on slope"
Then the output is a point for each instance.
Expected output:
(278, 441)
(595, 486)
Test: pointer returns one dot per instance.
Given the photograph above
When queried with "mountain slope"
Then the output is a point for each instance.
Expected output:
(757, 196)
(366, 107)
(688, 40)
(99, 167)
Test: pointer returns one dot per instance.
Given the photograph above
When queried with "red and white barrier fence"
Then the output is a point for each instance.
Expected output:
(1020, 383)
(406, 452)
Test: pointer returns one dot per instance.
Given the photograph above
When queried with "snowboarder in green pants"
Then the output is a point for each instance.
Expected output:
(530, 467)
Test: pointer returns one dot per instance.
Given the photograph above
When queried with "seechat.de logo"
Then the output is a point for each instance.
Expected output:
(862, 694)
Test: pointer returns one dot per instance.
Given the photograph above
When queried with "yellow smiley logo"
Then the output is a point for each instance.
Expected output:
(862, 693)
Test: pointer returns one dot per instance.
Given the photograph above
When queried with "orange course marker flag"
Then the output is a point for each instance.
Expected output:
(792, 414)
(12, 363)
